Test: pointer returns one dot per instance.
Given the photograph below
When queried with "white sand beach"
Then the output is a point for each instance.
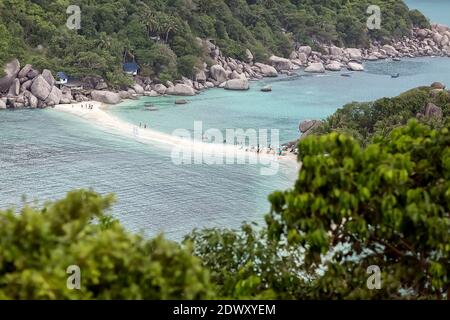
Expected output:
(95, 113)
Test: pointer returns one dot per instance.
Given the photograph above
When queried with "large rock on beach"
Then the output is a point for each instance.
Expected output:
(41, 88)
(105, 96)
(54, 97)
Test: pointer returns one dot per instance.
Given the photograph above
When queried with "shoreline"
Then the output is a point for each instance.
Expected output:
(98, 116)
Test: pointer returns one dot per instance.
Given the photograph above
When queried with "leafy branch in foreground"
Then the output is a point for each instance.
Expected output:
(37, 247)
(385, 205)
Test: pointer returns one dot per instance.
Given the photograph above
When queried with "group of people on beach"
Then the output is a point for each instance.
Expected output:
(87, 106)
(140, 125)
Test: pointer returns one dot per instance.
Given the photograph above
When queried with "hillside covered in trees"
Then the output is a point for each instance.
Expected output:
(161, 34)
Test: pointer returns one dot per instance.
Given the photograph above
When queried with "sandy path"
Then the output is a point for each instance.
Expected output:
(98, 116)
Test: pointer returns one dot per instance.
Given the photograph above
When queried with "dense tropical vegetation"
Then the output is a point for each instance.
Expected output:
(161, 34)
(379, 201)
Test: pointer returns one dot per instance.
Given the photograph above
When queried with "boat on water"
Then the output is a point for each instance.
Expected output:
(346, 75)
(396, 59)
(395, 75)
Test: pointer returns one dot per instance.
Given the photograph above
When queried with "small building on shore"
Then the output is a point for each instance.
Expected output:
(62, 78)
(131, 68)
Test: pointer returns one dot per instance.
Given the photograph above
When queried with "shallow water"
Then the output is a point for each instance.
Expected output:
(44, 154)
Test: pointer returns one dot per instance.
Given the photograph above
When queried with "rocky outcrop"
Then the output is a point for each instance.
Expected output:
(316, 67)
(237, 84)
(433, 111)
(107, 97)
(47, 75)
(54, 97)
(280, 64)
(40, 88)
(218, 73)
(266, 70)
(438, 85)
(306, 127)
(138, 88)
(11, 70)
(181, 90)
(2, 104)
(333, 66)
(24, 71)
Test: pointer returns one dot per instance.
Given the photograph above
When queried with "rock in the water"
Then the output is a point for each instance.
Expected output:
(280, 63)
(316, 67)
(354, 66)
(333, 66)
(14, 89)
(266, 89)
(2, 104)
(266, 70)
(433, 111)
(237, 84)
(218, 73)
(23, 73)
(181, 90)
(105, 97)
(40, 88)
(438, 85)
(47, 74)
(181, 101)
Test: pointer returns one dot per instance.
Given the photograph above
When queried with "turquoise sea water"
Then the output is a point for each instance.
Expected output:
(44, 154)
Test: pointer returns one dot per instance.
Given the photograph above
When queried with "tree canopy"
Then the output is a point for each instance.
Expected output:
(142, 30)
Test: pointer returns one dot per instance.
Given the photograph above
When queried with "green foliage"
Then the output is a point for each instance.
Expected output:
(385, 205)
(112, 32)
(38, 245)
(245, 264)
(364, 121)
